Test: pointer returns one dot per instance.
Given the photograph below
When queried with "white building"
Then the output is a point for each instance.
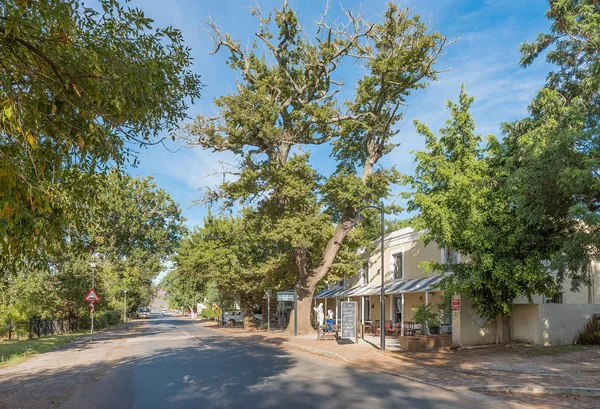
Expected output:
(545, 322)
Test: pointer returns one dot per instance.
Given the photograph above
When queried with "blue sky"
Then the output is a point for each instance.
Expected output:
(485, 58)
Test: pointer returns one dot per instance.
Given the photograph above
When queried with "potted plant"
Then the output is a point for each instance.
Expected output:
(427, 317)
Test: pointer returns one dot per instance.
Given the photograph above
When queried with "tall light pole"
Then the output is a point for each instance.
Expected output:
(125, 306)
(382, 293)
(93, 265)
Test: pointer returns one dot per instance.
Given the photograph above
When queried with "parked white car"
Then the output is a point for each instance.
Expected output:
(165, 312)
(233, 317)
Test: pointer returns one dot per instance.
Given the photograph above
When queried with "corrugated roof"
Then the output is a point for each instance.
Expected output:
(396, 287)
(412, 286)
(369, 289)
(330, 292)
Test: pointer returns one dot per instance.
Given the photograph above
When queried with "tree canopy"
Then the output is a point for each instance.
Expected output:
(463, 204)
(140, 228)
(287, 99)
(552, 157)
(80, 89)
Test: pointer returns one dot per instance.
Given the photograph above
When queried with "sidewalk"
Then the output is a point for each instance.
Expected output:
(548, 374)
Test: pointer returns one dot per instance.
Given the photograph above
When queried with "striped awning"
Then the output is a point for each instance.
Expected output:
(330, 292)
(369, 289)
(397, 287)
(412, 286)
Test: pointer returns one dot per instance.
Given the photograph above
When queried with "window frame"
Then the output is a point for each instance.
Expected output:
(395, 265)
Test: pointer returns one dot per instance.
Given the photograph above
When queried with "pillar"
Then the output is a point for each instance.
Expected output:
(456, 325)
(402, 316)
(426, 303)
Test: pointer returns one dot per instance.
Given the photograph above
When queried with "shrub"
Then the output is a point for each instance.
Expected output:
(590, 334)
(113, 317)
(210, 314)
(102, 319)
(425, 315)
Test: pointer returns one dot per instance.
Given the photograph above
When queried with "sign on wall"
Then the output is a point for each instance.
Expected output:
(455, 304)
(349, 317)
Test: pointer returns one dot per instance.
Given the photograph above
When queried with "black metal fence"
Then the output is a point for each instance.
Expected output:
(38, 327)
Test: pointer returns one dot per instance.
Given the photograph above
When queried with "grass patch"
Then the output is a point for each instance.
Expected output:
(15, 351)
(536, 350)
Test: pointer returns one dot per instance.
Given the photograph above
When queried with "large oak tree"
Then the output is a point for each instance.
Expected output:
(287, 99)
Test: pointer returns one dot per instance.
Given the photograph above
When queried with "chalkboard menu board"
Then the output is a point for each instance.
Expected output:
(349, 312)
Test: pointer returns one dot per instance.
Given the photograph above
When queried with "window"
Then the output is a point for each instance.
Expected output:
(398, 309)
(367, 307)
(365, 272)
(450, 256)
(398, 273)
(556, 299)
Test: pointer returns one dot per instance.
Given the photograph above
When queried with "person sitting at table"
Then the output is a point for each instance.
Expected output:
(329, 320)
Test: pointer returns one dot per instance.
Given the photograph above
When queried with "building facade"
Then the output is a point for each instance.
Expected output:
(407, 285)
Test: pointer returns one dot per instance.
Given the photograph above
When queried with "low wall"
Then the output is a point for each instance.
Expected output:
(559, 323)
(469, 329)
(525, 323)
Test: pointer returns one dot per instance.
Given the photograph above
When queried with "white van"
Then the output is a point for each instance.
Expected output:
(232, 317)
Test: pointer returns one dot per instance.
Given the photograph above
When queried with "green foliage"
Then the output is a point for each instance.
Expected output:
(425, 315)
(286, 99)
(590, 334)
(551, 158)
(464, 206)
(225, 255)
(210, 314)
(142, 229)
(71, 106)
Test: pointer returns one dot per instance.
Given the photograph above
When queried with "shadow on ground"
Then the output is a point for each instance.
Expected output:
(212, 371)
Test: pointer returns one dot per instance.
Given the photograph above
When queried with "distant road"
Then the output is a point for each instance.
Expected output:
(160, 301)
(170, 362)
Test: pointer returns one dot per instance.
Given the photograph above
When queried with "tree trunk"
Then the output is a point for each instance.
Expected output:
(247, 313)
(308, 278)
(506, 335)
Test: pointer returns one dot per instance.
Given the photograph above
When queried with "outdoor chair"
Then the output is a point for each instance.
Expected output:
(389, 328)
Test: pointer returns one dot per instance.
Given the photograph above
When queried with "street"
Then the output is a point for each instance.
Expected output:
(171, 362)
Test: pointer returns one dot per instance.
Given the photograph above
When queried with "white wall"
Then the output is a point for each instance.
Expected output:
(559, 323)
(525, 323)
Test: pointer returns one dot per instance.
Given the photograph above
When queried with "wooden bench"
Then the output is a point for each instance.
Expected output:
(323, 335)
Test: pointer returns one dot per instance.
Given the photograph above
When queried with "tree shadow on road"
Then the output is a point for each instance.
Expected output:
(215, 371)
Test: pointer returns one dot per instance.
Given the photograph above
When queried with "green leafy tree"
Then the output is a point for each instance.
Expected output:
(139, 228)
(463, 205)
(227, 254)
(552, 157)
(286, 99)
(79, 89)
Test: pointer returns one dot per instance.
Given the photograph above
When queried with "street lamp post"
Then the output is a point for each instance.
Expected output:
(382, 293)
(125, 306)
(268, 294)
(93, 265)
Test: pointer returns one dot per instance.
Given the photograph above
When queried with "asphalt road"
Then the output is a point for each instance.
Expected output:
(175, 363)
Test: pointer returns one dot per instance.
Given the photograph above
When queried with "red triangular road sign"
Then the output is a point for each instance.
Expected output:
(92, 296)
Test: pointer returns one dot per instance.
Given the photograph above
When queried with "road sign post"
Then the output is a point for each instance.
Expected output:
(92, 297)
(290, 296)
(268, 295)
